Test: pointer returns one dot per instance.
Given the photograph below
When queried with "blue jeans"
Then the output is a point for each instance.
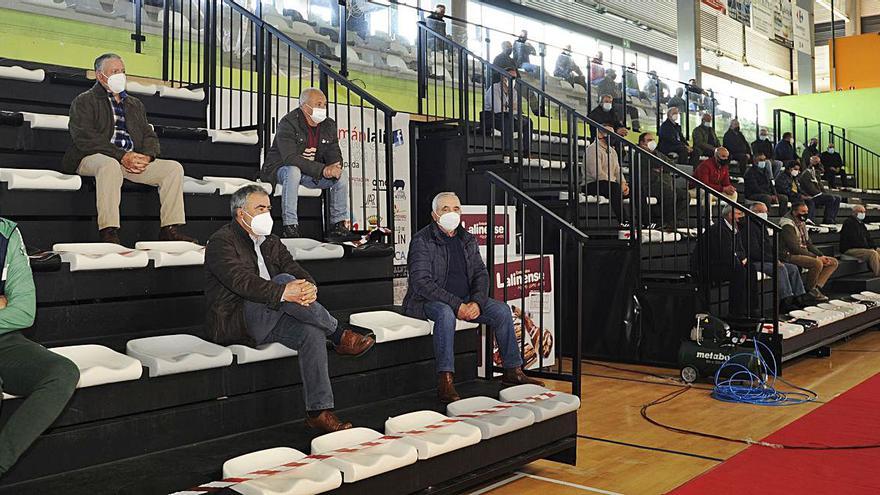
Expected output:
(789, 280)
(530, 68)
(291, 177)
(303, 329)
(831, 204)
(494, 313)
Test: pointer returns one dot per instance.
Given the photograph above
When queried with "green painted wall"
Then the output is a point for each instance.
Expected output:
(858, 111)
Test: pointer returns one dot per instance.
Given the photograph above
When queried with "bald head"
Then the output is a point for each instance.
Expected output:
(721, 154)
(858, 209)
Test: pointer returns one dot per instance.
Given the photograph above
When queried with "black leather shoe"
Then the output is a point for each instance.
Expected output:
(290, 232)
(339, 232)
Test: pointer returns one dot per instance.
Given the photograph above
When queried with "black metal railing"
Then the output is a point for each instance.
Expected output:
(544, 288)
(803, 129)
(253, 74)
(859, 162)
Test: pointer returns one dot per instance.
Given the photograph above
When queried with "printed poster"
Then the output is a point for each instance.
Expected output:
(740, 11)
(782, 24)
(762, 17)
(475, 221)
(803, 32)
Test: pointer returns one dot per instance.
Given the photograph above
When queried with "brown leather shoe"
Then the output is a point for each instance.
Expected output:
(515, 376)
(353, 344)
(170, 233)
(327, 422)
(445, 389)
(109, 234)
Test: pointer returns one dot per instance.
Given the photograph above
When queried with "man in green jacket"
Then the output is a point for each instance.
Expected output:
(797, 248)
(46, 380)
(112, 141)
(705, 139)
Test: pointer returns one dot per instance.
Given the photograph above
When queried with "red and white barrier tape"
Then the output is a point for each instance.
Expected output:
(216, 486)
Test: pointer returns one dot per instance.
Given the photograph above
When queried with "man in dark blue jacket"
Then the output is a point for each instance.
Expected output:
(760, 187)
(448, 280)
(784, 150)
(671, 140)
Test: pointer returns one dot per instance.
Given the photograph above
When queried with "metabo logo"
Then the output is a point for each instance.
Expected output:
(713, 355)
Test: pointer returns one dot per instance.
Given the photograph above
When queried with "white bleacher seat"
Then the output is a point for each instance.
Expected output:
(39, 180)
(244, 354)
(140, 88)
(21, 74)
(173, 253)
(198, 186)
(688, 231)
(179, 353)
(99, 365)
(369, 461)
(548, 138)
(233, 137)
(398, 63)
(584, 198)
(310, 249)
(353, 57)
(388, 325)
(304, 192)
(543, 409)
(872, 226)
(833, 315)
(846, 309)
(50, 4)
(46, 121)
(433, 441)
(786, 329)
(100, 256)
(181, 93)
(228, 185)
(832, 227)
(493, 424)
(315, 477)
(652, 235)
(847, 205)
(651, 200)
(818, 229)
(497, 133)
(857, 308)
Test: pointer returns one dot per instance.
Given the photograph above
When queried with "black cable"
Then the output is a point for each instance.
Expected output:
(668, 379)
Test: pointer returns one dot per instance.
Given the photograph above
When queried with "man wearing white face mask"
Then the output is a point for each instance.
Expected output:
(671, 139)
(671, 209)
(705, 140)
(257, 294)
(448, 280)
(792, 294)
(112, 141)
(305, 152)
(855, 241)
(605, 114)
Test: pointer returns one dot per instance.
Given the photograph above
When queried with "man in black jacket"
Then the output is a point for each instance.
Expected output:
(855, 241)
(671, 139)
(759, 187)
(760, 244)
(448, 280)
(739, 148)
(765, 146)
(605, 114)
(816, 195)
(833, 164)
(671, 207)
(112, 141)
(306, 152)
(257, 294)
(729, 262)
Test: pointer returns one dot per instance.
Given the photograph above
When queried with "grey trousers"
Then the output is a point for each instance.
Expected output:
(303, 329)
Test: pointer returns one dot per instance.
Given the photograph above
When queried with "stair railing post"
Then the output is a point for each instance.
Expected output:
(343, 38)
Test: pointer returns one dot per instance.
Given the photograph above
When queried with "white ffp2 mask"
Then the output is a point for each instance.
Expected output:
(319, 115)
(652, 145)
(116, 83)
(261, 224)
(606, 106)
(449, 221)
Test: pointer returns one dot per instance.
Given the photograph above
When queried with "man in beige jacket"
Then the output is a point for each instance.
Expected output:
(603, 176)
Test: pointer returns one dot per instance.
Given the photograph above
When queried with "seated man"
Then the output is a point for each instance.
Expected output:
(705, 140)
(671, 138)
(760, 244)
(257, 294)
(815, 194)
(739, 148)
(504, 104)
(677, 101)
(306, 152)
(856, 242)
(715, 173)
(784, 150)
(568, 69)
(448, 280)
(603, 176)
(671, 210)
(606, 114)
(728, 262)
(759, 186)
(112, 141)
(764, 146)
(786, 183)
(833, 164)
(797, 249)
(46, 380)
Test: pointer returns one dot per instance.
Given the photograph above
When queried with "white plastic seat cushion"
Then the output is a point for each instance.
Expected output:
(310, 249)
(100, 256)
(39, 180)
(313, 477)
(432, 433)
(857, 308)
(304, 192)
(182, 93)
(870, 295)
(244, 354)
(358, 461)
(140, 88)
(542, 402)
(475, 411)
(228, 185)
(20, 73)
(820, 318)
(99, 365)
(46, 121)
(846, 309)
(233, 137)
(198, 186)
(388, 325)
(170, 354)
(786, 329)
(173, 253)
(833, 315)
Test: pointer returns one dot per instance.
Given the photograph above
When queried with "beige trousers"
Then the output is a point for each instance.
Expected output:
(167, 175)
(817, 273)
(712, 200)
(870, 256)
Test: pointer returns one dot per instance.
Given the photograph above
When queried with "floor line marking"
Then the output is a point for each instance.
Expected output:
(569, 484)
(656, 449)
(499, 484)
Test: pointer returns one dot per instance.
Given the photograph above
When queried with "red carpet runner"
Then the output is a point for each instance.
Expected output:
(851, 419)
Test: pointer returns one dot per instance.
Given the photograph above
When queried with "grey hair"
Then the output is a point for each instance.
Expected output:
(856, 207)
(727, 210)
(602, 98)
(435, 203)
(239, 198)
(99, 62)
(306, 95)
(670, 110)
(757, 204)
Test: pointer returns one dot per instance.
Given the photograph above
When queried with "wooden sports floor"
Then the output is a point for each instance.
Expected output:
(620, 453)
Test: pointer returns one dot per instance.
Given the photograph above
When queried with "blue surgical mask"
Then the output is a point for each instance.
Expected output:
(761, 164)
(860, 216)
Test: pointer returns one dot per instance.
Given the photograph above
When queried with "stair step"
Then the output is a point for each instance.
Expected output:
(856, 283)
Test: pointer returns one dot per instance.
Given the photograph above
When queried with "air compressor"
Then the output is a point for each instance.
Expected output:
(712, 343)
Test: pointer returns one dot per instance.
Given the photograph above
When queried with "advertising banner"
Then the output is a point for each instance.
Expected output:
(762, 17)
(782, 24)
(475, 221)
(740, 11)
(530, 296)
(803, 32)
